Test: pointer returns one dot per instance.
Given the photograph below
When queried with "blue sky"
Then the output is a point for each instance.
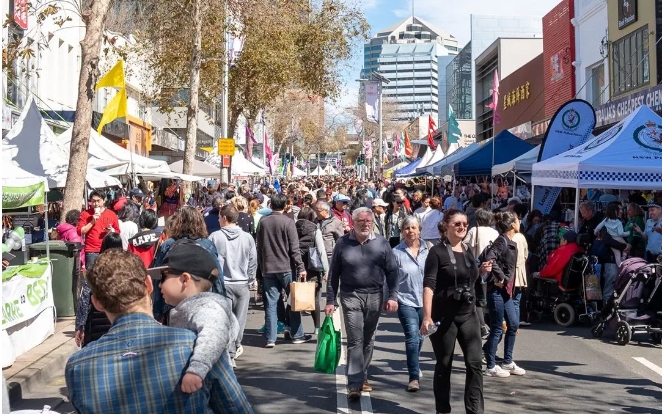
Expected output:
(452, 16)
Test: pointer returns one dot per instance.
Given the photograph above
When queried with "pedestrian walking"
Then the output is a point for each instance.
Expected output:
(450, 276)
(330, 226)
(236, 251)
(95, 223)
(411, 256)
(361, 264)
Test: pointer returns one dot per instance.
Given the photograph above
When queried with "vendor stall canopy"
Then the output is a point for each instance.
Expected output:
(35, 148)
(626, 156)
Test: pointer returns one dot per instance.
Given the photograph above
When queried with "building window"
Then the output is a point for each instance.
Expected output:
(597, 81)
(630, 61)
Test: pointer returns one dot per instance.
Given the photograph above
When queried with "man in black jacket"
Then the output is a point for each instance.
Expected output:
(590, 219)
(278, 246)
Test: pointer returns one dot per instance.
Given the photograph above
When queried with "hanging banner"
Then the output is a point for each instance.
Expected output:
(371, 92)
(17, 197)
(571, 126)
(26, 292)
(368, 149)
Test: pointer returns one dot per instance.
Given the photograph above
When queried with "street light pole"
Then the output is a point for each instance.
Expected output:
(381, 159)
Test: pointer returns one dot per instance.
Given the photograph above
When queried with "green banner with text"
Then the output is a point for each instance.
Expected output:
(17, 197)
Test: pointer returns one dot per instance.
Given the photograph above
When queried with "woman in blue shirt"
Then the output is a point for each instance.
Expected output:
(411, 256)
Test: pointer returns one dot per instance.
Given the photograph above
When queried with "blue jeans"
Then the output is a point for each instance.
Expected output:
(517, 295)
(609, 276)
(411, 319)
(501, 307)
(90, 258)
(273, 283)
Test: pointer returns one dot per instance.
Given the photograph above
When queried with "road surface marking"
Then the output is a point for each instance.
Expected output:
(658, 370)
(341, 390)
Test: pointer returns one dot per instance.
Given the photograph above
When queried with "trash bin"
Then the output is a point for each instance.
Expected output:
(66, 268)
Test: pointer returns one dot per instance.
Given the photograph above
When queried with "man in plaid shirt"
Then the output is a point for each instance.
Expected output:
(137, 366)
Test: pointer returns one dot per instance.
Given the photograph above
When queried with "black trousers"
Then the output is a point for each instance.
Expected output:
(467, 330)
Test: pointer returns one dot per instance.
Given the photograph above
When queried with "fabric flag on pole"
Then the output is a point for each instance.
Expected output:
(397, 145)
(401, 146)
(453, 129)
(368, 149)
(371, 91)
(431, 130)
(250, 142)
(408, 146)
(117, 107)
(269, 155)
(496, 97)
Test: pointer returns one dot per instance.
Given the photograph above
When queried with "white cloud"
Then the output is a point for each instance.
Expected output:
(454, 16)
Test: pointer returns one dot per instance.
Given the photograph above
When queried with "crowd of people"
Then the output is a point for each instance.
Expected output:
(454, 263)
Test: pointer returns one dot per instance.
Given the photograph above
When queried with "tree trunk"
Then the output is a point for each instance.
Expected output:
(94, 17)
(194, 87)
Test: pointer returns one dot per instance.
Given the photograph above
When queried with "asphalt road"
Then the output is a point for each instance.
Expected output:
(568, 371)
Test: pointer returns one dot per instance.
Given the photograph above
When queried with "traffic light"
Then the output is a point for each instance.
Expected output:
(361, 159)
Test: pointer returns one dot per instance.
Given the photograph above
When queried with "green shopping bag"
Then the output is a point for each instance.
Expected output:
(328, 352)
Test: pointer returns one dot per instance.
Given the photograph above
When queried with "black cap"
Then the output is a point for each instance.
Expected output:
(188, 256)
(136, 192)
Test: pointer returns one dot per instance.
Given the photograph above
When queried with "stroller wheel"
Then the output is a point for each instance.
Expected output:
(623, 333)
(656, 338)
(597, 330)
(564, 315)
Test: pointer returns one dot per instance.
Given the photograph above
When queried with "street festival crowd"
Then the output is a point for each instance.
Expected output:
(454, 263)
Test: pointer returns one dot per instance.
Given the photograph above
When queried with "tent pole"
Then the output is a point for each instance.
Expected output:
(48, 249)
(576, 213)
(514, 183)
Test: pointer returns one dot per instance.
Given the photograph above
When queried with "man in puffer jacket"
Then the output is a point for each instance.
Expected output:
(237, 255)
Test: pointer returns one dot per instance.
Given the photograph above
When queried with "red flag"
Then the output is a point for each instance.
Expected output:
(431, 130)
(495, 91)
(408, 146)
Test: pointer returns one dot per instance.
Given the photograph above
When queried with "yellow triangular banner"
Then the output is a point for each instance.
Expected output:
(207, 149)
(117, 107)
(114, 78)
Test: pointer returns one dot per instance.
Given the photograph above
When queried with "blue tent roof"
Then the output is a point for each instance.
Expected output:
(507, 147)
(408, 168)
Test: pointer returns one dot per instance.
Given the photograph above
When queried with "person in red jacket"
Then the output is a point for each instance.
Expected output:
(340, 211)
(95, 223)
(558, 259)
(144, 243)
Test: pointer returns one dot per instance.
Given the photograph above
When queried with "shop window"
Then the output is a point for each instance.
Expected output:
(597, 92)
(630, 61)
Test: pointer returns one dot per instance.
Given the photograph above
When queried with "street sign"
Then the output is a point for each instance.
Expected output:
(225, 161)
(226, 146)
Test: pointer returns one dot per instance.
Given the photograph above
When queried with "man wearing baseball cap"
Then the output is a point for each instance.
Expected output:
(378, 208)
(652, 232)
(340, 211)
(144, 360)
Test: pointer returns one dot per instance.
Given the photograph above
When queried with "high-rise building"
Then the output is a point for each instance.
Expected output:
(408, 54)
(484, 30)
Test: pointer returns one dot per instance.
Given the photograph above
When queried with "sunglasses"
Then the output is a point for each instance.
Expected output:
(169, 272)
(460, 224)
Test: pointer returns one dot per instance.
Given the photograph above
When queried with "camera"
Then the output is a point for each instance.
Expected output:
(463, 294)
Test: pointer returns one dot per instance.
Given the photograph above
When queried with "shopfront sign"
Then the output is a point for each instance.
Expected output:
(627, 13)
(619, 109)
(517, 95)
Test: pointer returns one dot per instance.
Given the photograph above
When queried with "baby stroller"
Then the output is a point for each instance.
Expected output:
(632, 309)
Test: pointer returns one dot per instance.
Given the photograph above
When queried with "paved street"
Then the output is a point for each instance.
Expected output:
(568, 372)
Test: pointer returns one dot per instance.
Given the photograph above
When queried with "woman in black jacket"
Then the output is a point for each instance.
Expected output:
(450, 275)
(310, 237)
(503, 253)
(393, 220)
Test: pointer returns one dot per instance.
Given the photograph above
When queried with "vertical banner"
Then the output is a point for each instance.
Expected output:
(571, 126)
(371, 92)
(368, 149)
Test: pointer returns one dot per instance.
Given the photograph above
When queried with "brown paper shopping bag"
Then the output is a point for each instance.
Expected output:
(302, 296)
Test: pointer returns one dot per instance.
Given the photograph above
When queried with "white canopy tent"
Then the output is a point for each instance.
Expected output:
(522, 163)
(259, 163)
(437, 156)
(427, 156)
(104, 152)
(36, 149)
(318, 172)
(239, 165)
(298, 173)
(626, 156)
(200, 169)
(330, 170)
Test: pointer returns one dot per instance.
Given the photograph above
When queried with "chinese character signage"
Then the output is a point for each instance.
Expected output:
(21, 13)
(556, 66)
(517, 95)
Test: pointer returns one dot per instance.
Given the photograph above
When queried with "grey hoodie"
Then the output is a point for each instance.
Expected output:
(237, 254)
(210, 316)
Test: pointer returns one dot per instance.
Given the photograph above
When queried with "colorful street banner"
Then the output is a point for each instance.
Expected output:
(26, 292)
(372, 92)
(453, 128)
(571, 126)
(17, 197)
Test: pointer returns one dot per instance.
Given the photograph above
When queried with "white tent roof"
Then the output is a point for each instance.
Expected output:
(38, 151)
(427, 156)
(330, 170)
(318, 172)
(437, 156)
(200, 169)
(240, 165)
(15, 176)
(298, 173)
(626, 156)
(521, 163)
(259, 163)
(446, 165)
(104, 152)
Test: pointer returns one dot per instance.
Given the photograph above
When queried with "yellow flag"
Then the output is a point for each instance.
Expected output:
(117, 107)
(114, 78)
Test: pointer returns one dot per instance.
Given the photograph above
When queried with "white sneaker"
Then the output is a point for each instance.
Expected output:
(497, 371)
(239, 351)
(232, 363)
(513, 369)
(421, 374)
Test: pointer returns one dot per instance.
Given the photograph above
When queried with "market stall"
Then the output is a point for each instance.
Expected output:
(626, 156)
(502, 148)
(521, 164)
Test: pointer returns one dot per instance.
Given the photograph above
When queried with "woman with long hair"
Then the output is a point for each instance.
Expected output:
(393, 220)
(450, 274)
(502, 301)
(411, 256)
(310, 237)
(254, 206)
(245, 220)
